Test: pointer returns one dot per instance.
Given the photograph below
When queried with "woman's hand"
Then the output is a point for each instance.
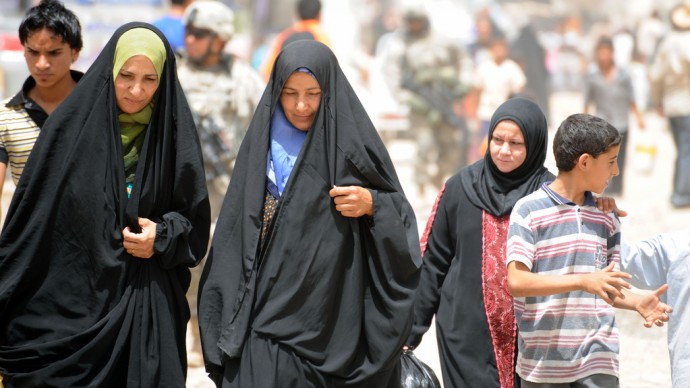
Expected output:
(608, 205)
(352, 201)
(140, 244)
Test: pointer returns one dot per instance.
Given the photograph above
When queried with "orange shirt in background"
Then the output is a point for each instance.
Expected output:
(304, 27)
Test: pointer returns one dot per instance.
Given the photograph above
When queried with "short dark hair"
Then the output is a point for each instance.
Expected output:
(581, 134)
(308, 9)
(604, 42)
(52, 15)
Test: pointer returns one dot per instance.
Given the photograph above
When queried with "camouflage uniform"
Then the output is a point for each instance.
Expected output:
(425, 72)
(223, 99)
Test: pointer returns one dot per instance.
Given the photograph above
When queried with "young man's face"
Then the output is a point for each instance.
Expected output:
(601, 169)
(48, 58)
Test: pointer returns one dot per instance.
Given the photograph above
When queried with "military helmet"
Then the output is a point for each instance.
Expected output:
(414, 10)
(416, 19)
(211, 15)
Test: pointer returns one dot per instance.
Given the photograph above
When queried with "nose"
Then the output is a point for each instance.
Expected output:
(136, 88)
(616, 170)
(505, 148)
(301, 105)
(42, 62)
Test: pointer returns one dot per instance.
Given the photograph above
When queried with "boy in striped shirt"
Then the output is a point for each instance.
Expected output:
(562, 258)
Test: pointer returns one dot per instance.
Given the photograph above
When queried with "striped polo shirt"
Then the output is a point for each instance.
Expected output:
(18, 133)
(21, 120)
(568, 336)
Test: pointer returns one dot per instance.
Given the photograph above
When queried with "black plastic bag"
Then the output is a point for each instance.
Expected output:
(416, 374)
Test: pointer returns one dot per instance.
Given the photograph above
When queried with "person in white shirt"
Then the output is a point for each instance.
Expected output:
(498, 79)
(665, 258)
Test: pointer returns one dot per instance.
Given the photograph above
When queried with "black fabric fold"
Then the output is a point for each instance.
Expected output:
(331, 292)
(450, 291)
(75, 308)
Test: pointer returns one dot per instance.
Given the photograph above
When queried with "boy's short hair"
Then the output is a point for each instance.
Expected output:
(52, 15)
(308, 9)
(581, 134)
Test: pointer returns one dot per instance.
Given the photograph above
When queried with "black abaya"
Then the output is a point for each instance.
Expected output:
(326, 300)
(75, 308)
(462, 282)
(451, 289)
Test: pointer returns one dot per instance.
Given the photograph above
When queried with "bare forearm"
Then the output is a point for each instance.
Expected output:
(605, 283)
(638, 115)
(524, 284)
(648, 305)
(628, 303)
(631, 301)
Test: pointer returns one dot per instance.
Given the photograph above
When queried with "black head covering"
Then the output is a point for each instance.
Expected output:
(75, 308)
(334, 291)
(497, 192)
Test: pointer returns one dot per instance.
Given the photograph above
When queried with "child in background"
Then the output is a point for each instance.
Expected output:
(609, 92)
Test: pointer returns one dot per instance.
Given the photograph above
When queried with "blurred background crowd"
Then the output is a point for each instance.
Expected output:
(431, 73)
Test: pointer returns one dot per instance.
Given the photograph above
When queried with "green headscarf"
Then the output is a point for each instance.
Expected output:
(137, 41)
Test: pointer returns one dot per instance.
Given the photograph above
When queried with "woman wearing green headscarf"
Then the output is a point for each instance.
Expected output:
(139, 60)
(109, 215)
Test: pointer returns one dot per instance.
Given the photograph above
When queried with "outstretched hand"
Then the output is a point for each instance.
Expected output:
(607, 283)
(352, 201)
(652, 309)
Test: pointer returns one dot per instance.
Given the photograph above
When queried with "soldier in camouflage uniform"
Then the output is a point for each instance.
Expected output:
(223, 92)
(425, 72)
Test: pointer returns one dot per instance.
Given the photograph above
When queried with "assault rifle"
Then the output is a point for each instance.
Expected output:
(437, 95)
(217, 152)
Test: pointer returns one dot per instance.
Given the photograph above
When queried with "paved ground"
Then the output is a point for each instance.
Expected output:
(644, 357)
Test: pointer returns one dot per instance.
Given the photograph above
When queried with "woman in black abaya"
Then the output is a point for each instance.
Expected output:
(463, 279)
(315, 256)
(108, 216)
